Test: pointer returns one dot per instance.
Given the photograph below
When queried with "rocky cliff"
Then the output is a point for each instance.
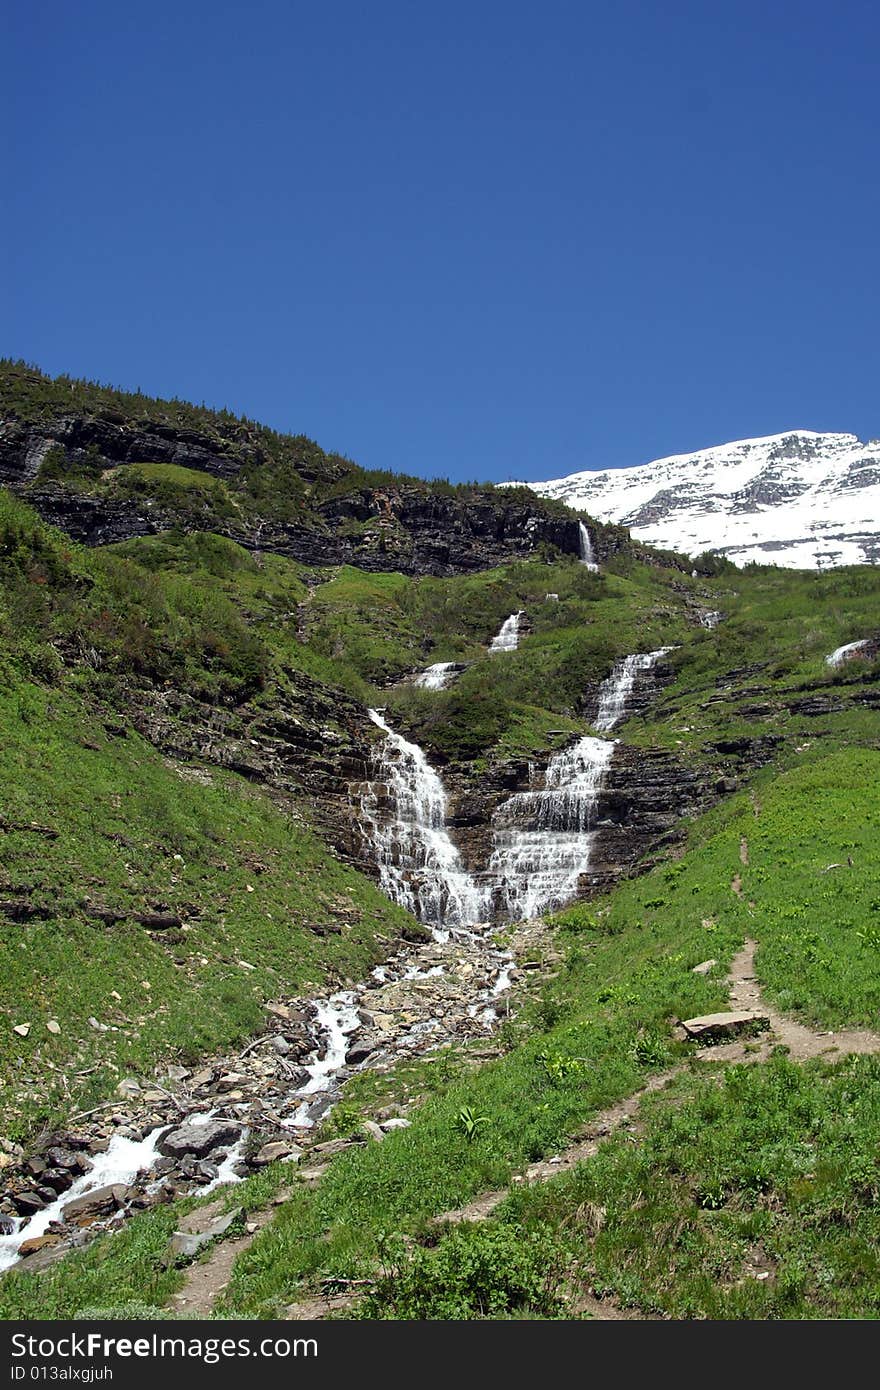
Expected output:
(92, 465)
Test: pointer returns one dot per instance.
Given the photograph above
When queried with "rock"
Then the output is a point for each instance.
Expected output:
(82, 1211)
(277, 1149)
(177, 1073)
(397, 1122)
(46, 1256)
(7, 1226)
(63, 1158)
(312, 1176)
(704, 967)
(22, 1029)
(725, 1025)
(373, 1130)
(281, 1045)
(231, 1081)
(158, 921)
(186, 1244)
(360, 1052)
(57, 1179)
(26, 1203)
(332, 1146)
(54, 1026)
(278, 1011)
(36, 1243)
(198, 1140)
(203, 1078)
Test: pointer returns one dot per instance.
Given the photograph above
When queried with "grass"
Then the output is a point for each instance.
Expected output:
(749, 1195)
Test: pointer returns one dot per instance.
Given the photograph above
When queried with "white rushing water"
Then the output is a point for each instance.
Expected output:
(438, 676)
(588, 555)
(507, 639)
(543, 837)
(405, 812)
(122, 1162)
(616, 690)
(842, 654)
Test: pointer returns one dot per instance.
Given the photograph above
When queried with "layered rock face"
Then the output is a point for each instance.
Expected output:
(413, 529)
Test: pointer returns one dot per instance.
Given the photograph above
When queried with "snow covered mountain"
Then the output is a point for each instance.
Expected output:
(802, 500)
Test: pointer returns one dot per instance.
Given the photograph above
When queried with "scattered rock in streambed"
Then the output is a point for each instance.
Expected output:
(198, 1140)
(102, 1201)
(426, 996)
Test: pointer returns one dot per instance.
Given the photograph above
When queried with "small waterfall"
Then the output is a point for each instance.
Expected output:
(588, 555)
(543, 838)
(405, 812)
(507, 639)
(438, 676)
(846, 653)
(616, 690)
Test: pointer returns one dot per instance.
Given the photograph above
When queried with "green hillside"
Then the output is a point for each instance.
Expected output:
(182, 718)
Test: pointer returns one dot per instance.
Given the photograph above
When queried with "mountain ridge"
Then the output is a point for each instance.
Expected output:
(799, 499)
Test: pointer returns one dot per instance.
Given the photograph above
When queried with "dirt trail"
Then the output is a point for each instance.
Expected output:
(207, 1280)
(802, 1042)
(586, 1144)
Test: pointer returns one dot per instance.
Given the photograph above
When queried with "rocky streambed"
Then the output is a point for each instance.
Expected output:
(189, 1130)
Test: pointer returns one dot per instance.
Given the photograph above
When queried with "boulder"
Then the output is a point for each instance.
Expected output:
(185, 1244)
(704, 967)
(30, 1247)
(91, 1206)
(199, 1140)
(277, 1149)
(710, 1027)
(26, 1203)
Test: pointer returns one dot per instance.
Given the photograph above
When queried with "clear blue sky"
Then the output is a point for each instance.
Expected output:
(476, 239)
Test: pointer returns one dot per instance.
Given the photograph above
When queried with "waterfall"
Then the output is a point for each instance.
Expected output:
(419, 866)
(542, 839)
(842, 654)
(616, 690)
(588, 556)
(438, 676)
(507, 639)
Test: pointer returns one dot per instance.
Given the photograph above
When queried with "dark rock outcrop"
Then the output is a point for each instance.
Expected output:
(414, 528)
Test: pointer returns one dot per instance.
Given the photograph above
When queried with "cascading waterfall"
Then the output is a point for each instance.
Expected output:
(587, 554)
(438, 676)
(616, 690)
(419, 866)
(507, 639)
(842, 654)
(543, 837)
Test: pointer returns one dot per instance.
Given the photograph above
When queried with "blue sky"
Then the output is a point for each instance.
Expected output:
(473, 239)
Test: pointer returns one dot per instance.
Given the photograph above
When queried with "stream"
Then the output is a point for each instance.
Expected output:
(444, 991)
